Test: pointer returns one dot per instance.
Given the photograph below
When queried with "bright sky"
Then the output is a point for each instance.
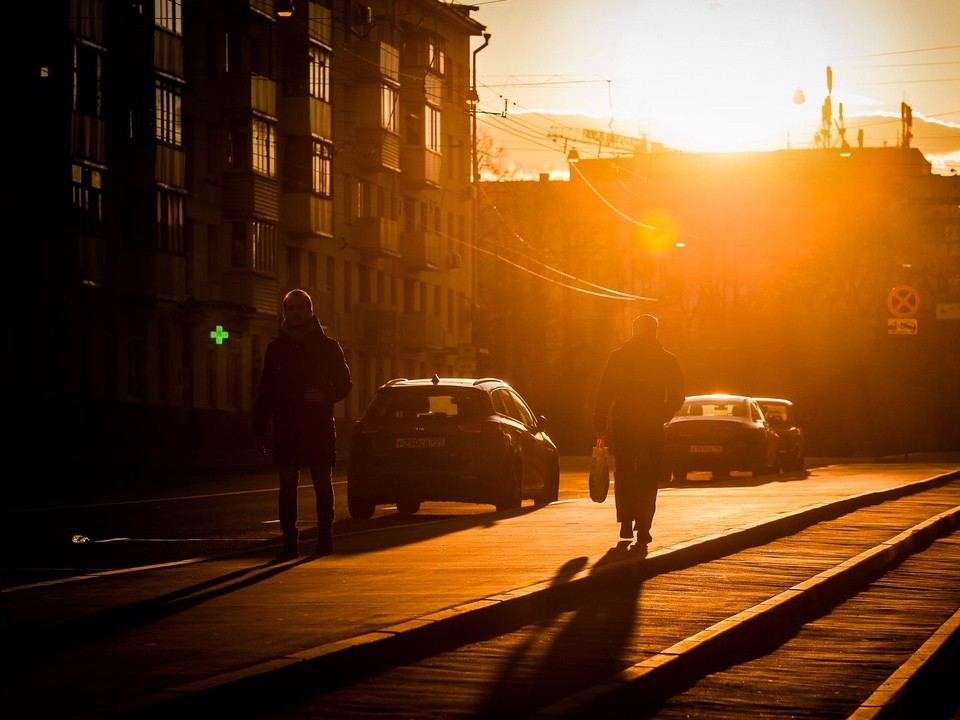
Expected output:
(718, 75)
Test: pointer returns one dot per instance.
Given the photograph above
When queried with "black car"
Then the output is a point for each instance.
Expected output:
(451, 439)
(782, 416)
(720, 433)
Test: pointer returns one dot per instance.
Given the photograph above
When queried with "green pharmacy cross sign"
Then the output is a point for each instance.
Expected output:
(219, 334)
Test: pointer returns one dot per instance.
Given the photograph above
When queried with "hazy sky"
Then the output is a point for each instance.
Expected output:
(703, 75)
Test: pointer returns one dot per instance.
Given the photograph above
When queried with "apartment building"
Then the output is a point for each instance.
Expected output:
(181, 164)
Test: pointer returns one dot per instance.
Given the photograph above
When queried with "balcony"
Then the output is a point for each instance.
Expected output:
(88, 138)
(311, 21)
(248, 289)
(376, 323)
(377, 60)
(243, 92)
(304, 213)
(377, 236)
(421, 250)
(247, 193)
(307, 116)
(420, 331)
(377, 149)
(421, 167)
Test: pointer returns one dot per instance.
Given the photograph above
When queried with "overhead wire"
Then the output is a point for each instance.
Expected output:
(607, 292)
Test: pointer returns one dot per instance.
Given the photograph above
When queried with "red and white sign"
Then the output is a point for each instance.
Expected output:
(903, 301)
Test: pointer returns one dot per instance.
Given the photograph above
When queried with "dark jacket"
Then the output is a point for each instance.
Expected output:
(641, 388)
(303, 433)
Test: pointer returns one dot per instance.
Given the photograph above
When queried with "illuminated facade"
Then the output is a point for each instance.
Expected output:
(772, 275)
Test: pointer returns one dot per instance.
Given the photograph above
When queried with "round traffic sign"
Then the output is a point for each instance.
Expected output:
(903, 301)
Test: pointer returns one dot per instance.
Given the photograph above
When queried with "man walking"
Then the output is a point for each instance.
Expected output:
(304, 375)
(640, 389)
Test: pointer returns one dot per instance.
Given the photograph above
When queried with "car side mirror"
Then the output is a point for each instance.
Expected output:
(541, 422)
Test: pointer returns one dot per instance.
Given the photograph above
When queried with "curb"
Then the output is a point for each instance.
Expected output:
(344, 661)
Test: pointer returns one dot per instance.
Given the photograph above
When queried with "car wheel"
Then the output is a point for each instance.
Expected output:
(720, 473)
(551, 486)
(761, 467)
(359, 506)
(513, 494)
(794, 463)
(679, 474)
(408, 507)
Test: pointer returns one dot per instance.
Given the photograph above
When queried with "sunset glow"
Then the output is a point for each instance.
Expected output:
(722, 75)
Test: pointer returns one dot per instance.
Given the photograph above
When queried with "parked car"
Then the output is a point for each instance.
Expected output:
(782, 416)
(454, 439)
(720, 433)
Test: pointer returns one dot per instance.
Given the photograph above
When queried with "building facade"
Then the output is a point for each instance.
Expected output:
(181, 164)
(831, 278)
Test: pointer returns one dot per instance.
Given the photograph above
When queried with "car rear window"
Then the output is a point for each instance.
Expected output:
(414, 402)
(774, 412)
(713, 409)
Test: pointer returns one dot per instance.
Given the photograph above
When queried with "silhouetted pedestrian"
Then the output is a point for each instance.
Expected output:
(304, 375)
(641, 388)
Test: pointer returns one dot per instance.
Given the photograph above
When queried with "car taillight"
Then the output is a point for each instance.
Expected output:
(470, 426)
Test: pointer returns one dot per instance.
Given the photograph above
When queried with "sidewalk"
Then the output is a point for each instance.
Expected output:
(127, 641)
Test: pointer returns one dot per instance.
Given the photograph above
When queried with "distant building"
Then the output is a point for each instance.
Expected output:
(179, 165)
(772, 273)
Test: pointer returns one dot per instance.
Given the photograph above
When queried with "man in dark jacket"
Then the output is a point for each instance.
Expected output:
(304, 375)
(641, 388)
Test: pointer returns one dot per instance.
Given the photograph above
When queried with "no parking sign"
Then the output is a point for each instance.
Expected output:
(903, 302)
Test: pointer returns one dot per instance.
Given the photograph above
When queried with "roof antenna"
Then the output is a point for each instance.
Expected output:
(436, 379)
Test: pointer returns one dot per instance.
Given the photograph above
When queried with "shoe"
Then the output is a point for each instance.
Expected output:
(626, 531)
(288, 553)
(640, 549)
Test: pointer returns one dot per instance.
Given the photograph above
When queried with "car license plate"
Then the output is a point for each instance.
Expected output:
(706, 448)
(421, 442)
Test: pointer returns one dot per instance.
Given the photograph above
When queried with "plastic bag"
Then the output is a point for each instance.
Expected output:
(599, 472)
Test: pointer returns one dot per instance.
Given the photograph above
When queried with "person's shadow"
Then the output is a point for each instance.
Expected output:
(598, 623)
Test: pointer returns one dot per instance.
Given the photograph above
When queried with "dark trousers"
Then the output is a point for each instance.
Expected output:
(639, 465)
(322, 477)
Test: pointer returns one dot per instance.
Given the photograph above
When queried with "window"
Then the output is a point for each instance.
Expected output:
(431, 130)
(264, 148)
(259, 251)
(87, 197)
(169, 221)
(238, 145)
(319, 80)
(389, 102)
(322, 167)
(168, 14)
(169, 118)
(264, 247)
(238, 245)
(87, 80)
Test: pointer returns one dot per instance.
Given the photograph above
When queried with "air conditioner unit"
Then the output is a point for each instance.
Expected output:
(456, 260)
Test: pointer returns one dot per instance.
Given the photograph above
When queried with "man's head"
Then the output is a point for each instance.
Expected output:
(297, 307)
(646, 327)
